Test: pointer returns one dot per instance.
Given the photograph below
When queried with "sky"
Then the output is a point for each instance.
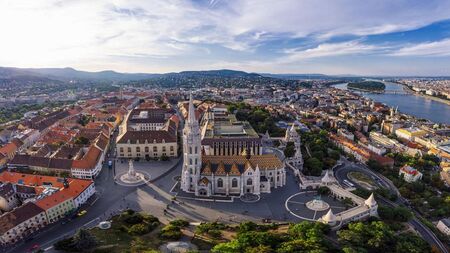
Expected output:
(370, 37)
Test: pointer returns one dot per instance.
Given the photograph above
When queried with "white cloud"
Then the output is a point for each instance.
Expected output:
(437, 48)
(330, 49)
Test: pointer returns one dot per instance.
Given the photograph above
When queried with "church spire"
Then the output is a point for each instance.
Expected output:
(191, 116)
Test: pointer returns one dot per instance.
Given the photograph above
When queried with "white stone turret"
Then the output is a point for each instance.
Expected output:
(192, 152)
(292, 136)
(329, 218)
(372, 205)
(327, 178)
(370, 202)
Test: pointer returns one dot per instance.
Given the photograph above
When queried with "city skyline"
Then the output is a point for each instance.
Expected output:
(339, 37)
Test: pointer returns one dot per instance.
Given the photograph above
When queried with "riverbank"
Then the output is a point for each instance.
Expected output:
(444, 101)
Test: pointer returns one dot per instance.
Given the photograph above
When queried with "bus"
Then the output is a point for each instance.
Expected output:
(348, 183)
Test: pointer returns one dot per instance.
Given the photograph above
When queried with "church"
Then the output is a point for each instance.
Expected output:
(226, 175)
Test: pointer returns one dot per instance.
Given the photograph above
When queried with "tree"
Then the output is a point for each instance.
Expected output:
(314, 166)
(82, 241)
(289, 151)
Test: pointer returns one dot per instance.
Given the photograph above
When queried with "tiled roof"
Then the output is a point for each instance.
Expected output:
(38, 161)
(18, 215)
(149, 136)
(235, 165)
(89, 160)
(53, 200)
(102, 142)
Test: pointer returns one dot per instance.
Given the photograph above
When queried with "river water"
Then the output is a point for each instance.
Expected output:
(418, 106)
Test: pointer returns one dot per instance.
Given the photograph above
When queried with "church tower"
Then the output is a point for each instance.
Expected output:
(192, 154)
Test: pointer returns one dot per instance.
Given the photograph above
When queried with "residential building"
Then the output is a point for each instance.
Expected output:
(444, 226)
(409, 174)
(21, 222)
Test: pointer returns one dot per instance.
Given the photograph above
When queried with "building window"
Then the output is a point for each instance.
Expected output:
(155, 149)
(171, 148)
(190, 161)
(234, 183)
(164, 149)
(196, 151)
(249, 181)
(146, 150)
(220, 183)
(129, 149)
(121, 149)
(138, 149)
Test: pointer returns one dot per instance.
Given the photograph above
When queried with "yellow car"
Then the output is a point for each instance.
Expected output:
(81, 213)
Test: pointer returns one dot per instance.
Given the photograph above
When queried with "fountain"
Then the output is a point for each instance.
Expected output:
(317, 204)
(132, 177)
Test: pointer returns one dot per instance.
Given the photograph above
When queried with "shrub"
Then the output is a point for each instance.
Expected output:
(138, 229)
(171, 232)
(180, 223)
(132, 219)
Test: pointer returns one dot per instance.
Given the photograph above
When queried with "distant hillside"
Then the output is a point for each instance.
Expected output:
(65, 74)
(220, 73)
(297, 76)
(70, 73)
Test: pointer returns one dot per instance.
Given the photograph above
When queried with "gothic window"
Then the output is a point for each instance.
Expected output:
(249, 181)
(138, 149)
(196, 150)
(234, 183)
(190, 161)
(146, 149)
(195, 161)
(155, 149)
(220, 183)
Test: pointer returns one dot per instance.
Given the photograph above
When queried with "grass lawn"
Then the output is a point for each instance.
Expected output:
(363, 180)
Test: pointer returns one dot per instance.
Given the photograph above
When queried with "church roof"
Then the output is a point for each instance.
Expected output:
(220, 170)
(204, 181)
(236, 165)
(234, 171)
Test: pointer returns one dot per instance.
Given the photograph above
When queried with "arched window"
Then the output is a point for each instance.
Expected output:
(220, 183)
(234, 183)
(190, 161)
(146, 149)
(138, 149)
(249, 181)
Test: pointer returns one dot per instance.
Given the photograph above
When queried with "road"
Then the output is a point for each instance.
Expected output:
(341, 172)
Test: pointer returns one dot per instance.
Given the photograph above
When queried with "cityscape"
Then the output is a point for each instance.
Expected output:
(225, 126)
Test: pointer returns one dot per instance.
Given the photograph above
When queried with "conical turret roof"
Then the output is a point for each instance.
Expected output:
(370, 202)
(329, 217)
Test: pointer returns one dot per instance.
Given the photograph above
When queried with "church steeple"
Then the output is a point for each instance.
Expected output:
(192, 151)
(191, 116)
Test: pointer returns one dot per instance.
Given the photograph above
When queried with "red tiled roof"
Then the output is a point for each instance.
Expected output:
(89, 160)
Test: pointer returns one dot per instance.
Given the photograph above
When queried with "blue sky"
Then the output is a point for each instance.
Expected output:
(371, 37)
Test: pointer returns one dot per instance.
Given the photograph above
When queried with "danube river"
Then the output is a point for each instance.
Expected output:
(418, 106)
